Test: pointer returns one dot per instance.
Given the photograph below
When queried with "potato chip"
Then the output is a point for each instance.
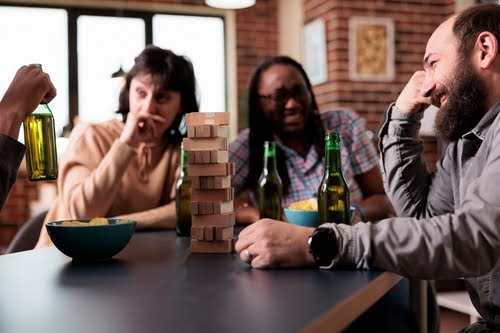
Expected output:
(73, 223)
(309, 204)
(99, 221)
(94, 221)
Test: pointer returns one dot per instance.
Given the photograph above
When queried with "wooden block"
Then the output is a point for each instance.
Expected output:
(223, 233)
(215, 220)
(198, 233)
(211, 233)
(223, 194)
(222, 246)
(212, 169)
(208, 156)
(205, 144)
(207, 118)
(211, 207)
(210, 182)
(199, 156)
(219, 233)
(208, 131)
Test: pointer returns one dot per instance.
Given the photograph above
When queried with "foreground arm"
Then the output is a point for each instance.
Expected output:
(11, 155)
(30, 87)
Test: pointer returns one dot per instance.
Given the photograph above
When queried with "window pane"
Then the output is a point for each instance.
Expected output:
(202, 40)
(36, 35)
(104, 44)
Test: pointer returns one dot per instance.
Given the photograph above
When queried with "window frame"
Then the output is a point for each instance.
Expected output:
(144, 11)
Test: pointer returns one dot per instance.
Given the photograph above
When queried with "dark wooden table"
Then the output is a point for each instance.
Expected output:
(156, 285)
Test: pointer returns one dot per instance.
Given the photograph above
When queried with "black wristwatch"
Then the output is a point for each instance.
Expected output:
(323, 246)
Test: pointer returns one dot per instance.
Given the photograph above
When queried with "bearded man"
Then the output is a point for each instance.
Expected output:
(448, 223)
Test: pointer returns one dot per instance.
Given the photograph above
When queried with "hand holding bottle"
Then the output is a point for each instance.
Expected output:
(40, 141)
(29, 88)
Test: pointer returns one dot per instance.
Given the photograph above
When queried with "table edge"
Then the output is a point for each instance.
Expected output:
(339, 317)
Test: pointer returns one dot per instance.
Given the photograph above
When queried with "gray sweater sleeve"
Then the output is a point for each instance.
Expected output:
(438, 234)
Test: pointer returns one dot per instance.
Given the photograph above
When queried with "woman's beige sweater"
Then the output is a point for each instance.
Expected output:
(101, 176)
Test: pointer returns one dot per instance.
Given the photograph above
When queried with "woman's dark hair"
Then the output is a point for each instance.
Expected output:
(262, 130)
(474, 20)
(171, 72)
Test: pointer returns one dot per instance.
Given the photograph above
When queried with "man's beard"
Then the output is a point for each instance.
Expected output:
(465, 103)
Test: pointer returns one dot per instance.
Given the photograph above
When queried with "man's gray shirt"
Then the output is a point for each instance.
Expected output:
(449, 221)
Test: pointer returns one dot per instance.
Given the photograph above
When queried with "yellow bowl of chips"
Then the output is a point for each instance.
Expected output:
(91, 239)
(303, 212)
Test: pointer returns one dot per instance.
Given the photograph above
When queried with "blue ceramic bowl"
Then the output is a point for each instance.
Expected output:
(306, 218)
(92, 242)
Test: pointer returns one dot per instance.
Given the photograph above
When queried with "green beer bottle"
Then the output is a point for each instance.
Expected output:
(333, 193)
(182, 199)
(40, 141)
(270, 185)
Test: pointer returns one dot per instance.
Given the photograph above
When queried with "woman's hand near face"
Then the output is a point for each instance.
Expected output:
(142, 127)
(152, 111)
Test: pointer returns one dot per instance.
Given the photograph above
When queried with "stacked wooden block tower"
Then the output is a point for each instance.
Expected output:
(212, 207)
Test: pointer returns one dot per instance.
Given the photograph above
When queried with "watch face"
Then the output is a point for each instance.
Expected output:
(323, 246)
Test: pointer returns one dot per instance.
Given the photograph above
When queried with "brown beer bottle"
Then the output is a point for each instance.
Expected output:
(40, 141)
(183, 199)
(333, 193)
(270, 185)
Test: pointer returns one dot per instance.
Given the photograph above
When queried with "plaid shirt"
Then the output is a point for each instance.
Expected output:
(358, 156)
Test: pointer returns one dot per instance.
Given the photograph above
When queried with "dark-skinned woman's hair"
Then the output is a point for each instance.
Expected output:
(262, 130)
(171, 72)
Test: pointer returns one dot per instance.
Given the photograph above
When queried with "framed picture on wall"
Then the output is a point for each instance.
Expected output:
(315, 63)
(371, 49)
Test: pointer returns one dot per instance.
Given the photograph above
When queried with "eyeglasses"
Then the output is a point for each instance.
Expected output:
(282, 95)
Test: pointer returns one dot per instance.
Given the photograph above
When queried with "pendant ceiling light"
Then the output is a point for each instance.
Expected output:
(230, 4)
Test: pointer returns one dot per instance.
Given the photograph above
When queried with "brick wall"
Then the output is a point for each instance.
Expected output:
(257, 38)
(414, 22)
(256, 34)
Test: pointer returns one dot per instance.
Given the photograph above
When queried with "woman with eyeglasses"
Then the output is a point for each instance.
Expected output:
(128, 168)
(282, 107)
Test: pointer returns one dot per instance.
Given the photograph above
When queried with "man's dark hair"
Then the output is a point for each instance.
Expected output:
(474, 20)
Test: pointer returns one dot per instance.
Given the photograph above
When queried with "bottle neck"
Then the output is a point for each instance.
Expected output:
(42, 110)
(270, 165)
(333, 162)
(184, 161)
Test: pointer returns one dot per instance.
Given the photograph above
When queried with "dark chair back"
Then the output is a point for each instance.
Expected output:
(27, 236)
